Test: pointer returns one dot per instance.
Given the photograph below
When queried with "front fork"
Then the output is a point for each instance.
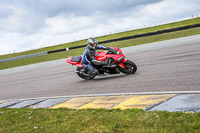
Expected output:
(122, 63)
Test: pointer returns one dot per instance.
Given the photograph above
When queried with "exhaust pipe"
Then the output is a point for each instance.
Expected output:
(83, 73)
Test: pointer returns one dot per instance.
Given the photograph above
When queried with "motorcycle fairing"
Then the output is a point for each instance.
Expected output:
(102, 56)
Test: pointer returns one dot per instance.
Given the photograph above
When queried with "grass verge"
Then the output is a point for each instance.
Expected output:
(125, 43)
(96, 120)
(107, 37)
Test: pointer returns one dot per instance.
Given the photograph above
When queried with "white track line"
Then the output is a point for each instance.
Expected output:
(113, 94)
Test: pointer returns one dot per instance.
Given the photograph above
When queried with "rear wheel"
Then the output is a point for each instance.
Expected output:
(84, 74)
(130, 67)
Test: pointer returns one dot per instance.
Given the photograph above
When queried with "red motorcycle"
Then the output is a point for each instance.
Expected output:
(116, 63)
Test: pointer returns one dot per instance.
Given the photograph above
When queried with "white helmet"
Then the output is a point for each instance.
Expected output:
(92, 41)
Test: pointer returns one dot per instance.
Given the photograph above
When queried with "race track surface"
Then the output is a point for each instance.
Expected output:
(167, 69)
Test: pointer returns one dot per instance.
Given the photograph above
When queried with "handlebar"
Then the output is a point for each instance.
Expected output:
(113, 51)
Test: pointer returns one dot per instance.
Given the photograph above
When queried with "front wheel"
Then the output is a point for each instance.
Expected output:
(81, 72)
(130, 67)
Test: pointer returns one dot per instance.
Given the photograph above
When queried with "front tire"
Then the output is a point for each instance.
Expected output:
(81, 72)
(130, 67)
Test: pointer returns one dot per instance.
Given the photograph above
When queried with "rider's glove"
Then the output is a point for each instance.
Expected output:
(107, 48)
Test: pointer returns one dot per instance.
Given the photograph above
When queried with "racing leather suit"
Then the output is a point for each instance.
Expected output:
(89, 60)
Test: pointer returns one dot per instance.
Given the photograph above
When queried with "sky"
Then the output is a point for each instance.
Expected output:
(32, 24)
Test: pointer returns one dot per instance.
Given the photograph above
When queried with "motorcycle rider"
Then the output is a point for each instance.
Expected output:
(89, 61)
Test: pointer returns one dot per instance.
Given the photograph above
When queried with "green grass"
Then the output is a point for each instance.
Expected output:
(97, 120)
(125, 43)
(107, 37)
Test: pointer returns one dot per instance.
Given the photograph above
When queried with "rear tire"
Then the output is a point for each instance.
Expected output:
(130, 67)
(85, 75)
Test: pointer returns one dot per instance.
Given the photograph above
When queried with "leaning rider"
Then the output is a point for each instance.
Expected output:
(89, 61)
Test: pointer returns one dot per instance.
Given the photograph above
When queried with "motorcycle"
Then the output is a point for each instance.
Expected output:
(116, 63)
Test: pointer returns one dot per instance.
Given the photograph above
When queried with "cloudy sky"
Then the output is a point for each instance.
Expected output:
(31, 24)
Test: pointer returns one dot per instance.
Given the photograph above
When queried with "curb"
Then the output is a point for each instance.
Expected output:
(172, 102)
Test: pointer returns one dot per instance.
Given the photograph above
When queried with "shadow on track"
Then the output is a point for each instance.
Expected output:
(108, 77)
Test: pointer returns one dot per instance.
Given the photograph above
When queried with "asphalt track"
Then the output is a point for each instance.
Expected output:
(165, 69)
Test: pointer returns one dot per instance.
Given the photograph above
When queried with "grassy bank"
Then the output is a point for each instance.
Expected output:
(125, 43)
(96, 120)
(107, 37)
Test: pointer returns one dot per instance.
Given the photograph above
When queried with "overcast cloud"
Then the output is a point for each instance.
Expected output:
(31, 24)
